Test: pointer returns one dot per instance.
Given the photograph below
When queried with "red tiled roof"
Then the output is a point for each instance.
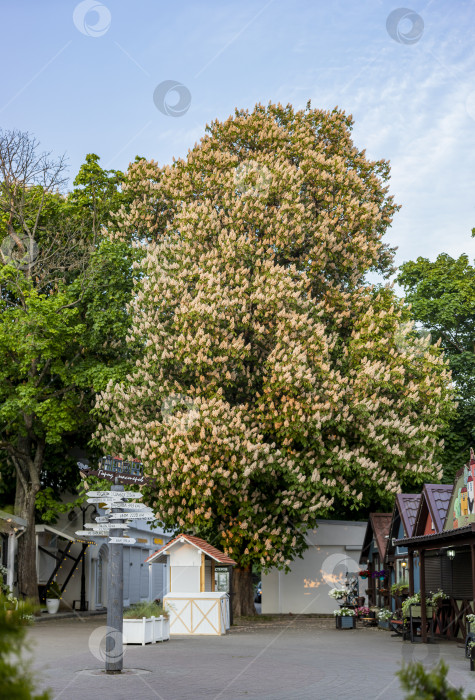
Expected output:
(197, 542)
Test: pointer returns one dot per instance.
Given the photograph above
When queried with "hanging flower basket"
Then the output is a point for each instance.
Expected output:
(379, 574)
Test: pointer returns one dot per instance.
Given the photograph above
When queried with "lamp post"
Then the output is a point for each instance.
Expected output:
(403, 565)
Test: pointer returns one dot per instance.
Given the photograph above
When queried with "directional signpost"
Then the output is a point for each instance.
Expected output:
(118, 506)
(115, 602)
(112, 495)
(145, 515)
(106, 526)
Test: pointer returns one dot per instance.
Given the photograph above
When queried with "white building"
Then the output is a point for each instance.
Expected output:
(59, 552)
(334, 549)
(11, 528)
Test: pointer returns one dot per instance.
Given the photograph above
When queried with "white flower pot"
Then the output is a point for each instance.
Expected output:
(52, 605)
(146, 630)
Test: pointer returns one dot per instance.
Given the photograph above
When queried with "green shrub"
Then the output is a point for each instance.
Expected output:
(16, 681)
(144, 609)
(422, 684)
(399, 587)
(54, 591)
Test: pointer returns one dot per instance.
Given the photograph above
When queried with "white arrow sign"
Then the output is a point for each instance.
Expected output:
(97, 528)
(135, 506)
(132, 516)
(104, 494)
(131, 494)
(88, 533)
(118, 526)
(106, 527)
(102, 519)
(109, 499)
(121, 540)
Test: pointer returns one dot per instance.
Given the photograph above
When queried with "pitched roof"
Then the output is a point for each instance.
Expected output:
(10, 524)
(377, 530)
(200, 544)
(435, 501)
(439, 537)
(408, 506)
(381, 524)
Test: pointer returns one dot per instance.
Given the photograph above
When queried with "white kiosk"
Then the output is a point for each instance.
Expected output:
(193, 604)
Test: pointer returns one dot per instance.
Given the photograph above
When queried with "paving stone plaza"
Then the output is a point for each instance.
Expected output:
(276, 659)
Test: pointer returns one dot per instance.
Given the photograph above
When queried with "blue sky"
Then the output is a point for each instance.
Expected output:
(81, 77)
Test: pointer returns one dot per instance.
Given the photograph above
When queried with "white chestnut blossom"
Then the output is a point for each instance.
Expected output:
(252, 304)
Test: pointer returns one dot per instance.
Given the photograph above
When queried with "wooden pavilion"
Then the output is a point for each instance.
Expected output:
(446, 555)
(373, 554)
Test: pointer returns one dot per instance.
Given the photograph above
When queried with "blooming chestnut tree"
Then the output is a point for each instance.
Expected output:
(273, 383)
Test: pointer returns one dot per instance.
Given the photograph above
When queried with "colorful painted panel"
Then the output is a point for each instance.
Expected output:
(461, 510)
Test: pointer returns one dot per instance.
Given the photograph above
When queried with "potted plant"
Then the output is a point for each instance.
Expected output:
(345, 618)
(364, 573)
(384, 616)
(400, 589)
(470, 651)
(414, 602)
(364, 611)
(379, 574)
(437, 599)
(53, 597)
(470, 641)
(146, 623)
(338, 594)
(471, 623)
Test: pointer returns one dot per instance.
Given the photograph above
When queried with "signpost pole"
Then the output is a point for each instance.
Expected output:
(115, 600)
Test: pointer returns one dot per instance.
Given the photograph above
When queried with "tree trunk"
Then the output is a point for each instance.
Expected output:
(242, 592)
(28, 473)
(26, 558)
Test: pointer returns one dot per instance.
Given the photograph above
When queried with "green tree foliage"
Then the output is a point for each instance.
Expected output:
(421, 684)
(63, 322)
(95, 194)
(442, 298)
(272, 385)
(16, 680)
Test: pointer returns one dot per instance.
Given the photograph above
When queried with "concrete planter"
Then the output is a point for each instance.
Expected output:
(146, 630)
